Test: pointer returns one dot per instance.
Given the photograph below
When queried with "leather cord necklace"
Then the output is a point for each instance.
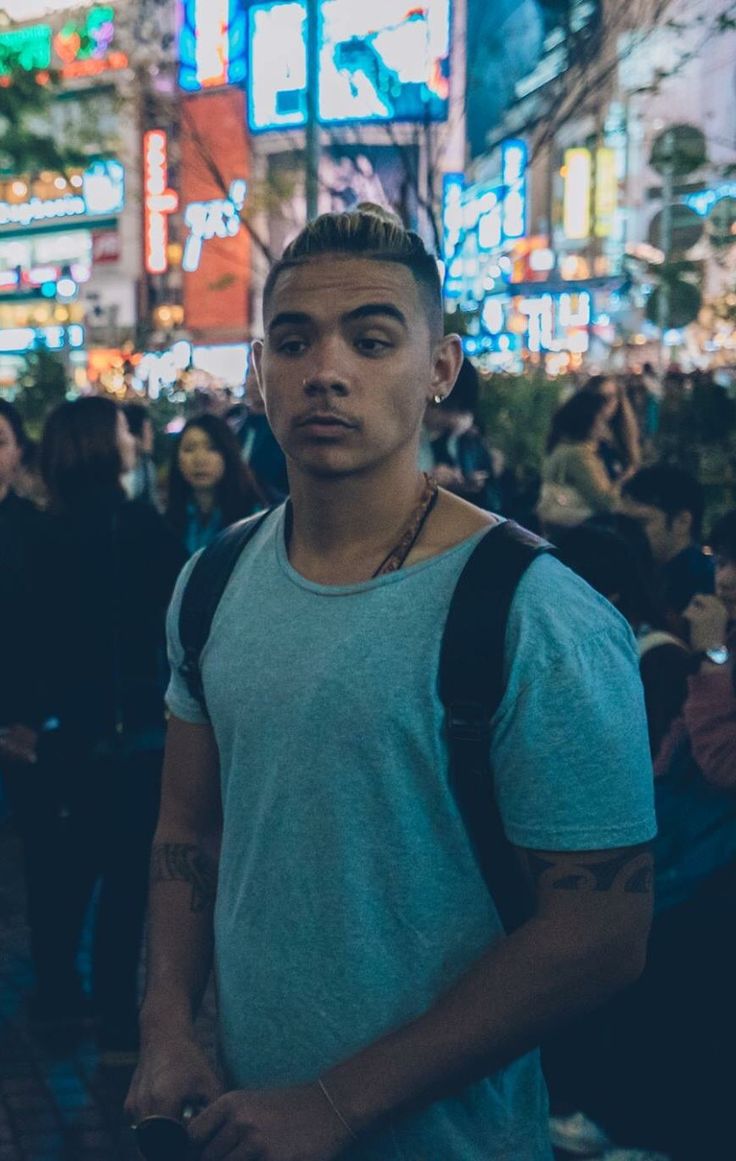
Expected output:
(395, 558)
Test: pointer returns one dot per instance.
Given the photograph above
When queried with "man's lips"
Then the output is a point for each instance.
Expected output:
(324, 419)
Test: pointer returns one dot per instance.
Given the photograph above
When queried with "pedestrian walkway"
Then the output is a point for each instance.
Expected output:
(56, 1102)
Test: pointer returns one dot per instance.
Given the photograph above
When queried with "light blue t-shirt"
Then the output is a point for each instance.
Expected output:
(348, 896)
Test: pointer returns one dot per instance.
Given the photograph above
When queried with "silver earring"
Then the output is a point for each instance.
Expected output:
(438, 398)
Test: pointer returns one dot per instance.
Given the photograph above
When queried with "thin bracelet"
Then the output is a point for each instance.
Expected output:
(335, 1109)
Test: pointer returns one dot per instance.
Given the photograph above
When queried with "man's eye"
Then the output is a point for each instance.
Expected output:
(291, 346)
(371, 346)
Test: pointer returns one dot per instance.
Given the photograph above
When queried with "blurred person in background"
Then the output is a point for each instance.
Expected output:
(111, 569)
(619, 446)
(575, 485)
(259, 448)
(668, 503)
(652, 1068)
(210, 487)
(141, 482)
(23, 704)
(453, 450)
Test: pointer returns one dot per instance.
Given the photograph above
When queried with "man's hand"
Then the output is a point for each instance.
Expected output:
(708, 620)
(171, 1074)
(18, 744)
(290, 1124)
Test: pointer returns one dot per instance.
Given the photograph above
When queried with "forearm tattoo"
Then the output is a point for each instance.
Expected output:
(631, 872)
(186, 863)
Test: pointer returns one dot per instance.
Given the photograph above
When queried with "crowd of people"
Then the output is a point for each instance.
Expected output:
(370, 924)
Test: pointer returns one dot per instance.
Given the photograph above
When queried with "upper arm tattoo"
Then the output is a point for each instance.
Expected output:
(630, 872)
(185, 863)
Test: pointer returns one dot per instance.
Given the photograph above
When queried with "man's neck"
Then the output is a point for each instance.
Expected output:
(343, 527)
(4, 489)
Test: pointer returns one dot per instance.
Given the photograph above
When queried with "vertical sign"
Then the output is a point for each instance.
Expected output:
(158, 201)
(576, 203)
(513, 178)
(214, 189)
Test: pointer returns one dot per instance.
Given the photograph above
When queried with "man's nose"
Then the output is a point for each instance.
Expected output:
(326, 370)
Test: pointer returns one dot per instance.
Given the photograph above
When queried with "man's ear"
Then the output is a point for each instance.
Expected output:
(256, 354)
(447, 359)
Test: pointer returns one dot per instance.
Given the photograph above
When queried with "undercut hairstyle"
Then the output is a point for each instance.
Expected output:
(370, 232)
(80, 458)
(671, 489)
(722, 539)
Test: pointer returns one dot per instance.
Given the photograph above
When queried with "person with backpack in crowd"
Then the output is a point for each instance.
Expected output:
(314, 839)
(651, 1066)
(109, 574)
(668, 503)
(209, 485)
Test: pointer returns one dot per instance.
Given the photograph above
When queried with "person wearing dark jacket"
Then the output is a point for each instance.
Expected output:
(114, 563)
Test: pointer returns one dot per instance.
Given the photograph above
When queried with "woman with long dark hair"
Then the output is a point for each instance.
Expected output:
(619, 447)
(574, 483)
(114, 571)
(210, 487)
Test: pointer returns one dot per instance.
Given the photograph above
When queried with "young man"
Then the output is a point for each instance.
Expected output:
(369, 1005)
(668, 504)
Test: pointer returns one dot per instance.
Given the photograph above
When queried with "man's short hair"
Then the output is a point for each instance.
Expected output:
(669, 488)
(369, 232)
(722, 539)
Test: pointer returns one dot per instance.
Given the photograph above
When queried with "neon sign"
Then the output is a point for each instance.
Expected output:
(85, 50)
(218, 218)
(158, 201)
(576, 201)
(513, 178)
(77, 49)
(25, 48)
(211, 44)
(383, 61)
(16, 340)
(102, 192)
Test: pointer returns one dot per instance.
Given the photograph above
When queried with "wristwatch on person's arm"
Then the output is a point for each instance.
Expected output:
(718, 655)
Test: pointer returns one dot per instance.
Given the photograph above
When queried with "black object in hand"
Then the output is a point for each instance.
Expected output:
(163, 1139)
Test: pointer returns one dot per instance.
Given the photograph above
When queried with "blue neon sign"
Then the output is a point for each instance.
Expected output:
(211, 44)
(383, 61)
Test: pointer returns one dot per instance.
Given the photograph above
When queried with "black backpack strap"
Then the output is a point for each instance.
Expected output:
(471, 687)
(203, 592)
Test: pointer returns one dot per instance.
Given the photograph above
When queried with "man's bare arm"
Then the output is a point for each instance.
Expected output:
(173, 1070)
(586, 940)
(183, 875)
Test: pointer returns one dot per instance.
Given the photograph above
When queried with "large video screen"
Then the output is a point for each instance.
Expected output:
(385, 60)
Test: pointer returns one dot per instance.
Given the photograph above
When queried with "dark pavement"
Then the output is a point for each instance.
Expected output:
(57, 1103)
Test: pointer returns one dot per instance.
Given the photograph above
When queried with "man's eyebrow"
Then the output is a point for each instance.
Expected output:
(366, 310)
(371, 308)
(289, 318)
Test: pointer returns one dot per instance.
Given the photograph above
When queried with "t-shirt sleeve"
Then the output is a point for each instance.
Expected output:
(570, 749)
(178, 698)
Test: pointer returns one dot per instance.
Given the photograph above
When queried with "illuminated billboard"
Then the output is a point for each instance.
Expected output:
(211, 43)
(348, 174)
(83, 46)
(97, 192)
(387, 60)
(214, 187)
